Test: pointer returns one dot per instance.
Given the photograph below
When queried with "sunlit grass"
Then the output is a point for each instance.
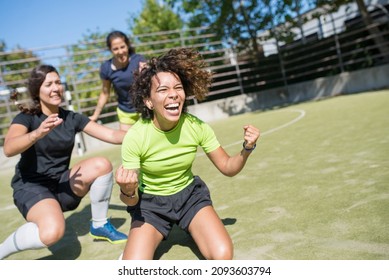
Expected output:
(314, 189)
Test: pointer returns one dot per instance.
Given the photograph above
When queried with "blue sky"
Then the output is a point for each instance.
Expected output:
(41, 23)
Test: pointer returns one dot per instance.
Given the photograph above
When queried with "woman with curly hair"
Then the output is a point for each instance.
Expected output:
(155, 178)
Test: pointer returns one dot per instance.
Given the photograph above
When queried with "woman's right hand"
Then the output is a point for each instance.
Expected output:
(127, 179)
(51, 122)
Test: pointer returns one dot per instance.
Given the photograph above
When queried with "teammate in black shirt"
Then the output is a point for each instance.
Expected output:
(43, 185)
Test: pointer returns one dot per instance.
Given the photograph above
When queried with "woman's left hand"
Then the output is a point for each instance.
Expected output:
(251, 135)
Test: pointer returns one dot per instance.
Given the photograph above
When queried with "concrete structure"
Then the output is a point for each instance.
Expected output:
(345, 83)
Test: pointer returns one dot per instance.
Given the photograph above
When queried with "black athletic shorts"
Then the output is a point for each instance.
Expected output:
(163, 212)
(27, 194)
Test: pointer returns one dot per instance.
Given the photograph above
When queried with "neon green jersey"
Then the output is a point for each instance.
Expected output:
(165, 158)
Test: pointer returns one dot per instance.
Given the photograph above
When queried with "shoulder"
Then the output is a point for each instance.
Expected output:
(140, 128)
(138, 58)
(23, 118)
(80, 119)
(136, 135)
(141, 125)
(105, 67)
(106, 64)
(22, 115)
(194, 124)
(192, 119)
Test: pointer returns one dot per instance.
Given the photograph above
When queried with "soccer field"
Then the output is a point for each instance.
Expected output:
(315, 188)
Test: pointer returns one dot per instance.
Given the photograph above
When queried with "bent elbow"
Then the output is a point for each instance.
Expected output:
(7, 153)
(230, 174)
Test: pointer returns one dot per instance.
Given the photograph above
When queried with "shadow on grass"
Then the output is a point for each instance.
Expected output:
(77, 224)
(181, 238)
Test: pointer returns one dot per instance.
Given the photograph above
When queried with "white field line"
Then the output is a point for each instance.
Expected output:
(8, 207)
(299, 117)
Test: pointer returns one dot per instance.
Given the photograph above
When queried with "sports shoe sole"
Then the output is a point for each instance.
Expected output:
(107, 239)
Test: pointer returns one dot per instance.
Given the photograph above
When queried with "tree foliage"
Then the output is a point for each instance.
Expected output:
(237, 21)
(154, 19)
(15, 65)
(80, 67)
(240, 21)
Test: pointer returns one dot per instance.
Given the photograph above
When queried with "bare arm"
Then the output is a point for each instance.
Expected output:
(230, 166)
(104, 133)
(18, 139)
(103, 99)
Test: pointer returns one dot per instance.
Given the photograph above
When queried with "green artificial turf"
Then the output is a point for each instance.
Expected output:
(315, 188)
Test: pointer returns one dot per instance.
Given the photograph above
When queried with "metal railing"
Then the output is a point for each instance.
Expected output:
(320, 54)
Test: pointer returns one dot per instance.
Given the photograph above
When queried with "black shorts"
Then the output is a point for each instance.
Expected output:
(27, 194)
(163, 212)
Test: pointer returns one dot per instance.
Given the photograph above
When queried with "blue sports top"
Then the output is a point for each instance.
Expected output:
(122, 80)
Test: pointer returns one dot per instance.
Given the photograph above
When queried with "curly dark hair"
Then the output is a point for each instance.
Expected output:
(186, 63)
(34, 83)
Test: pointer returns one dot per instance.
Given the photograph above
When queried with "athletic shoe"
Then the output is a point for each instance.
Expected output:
(109, 233)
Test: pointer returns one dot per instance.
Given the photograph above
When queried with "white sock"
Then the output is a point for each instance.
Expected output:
(24, 238)
(100, 195)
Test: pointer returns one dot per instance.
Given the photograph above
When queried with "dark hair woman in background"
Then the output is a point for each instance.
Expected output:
(43, 185)
(118, 71)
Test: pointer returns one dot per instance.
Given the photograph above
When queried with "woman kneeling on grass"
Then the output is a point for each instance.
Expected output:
(157, 155)
(43, 185)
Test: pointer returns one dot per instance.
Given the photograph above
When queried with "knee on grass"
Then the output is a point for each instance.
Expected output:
(222, 252)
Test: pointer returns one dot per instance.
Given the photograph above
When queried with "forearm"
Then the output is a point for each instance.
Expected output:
(103, 99)
(230, 165)
(236, 163)
(233, 165)
(117, 136)
(19, 144)
(104, 133)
